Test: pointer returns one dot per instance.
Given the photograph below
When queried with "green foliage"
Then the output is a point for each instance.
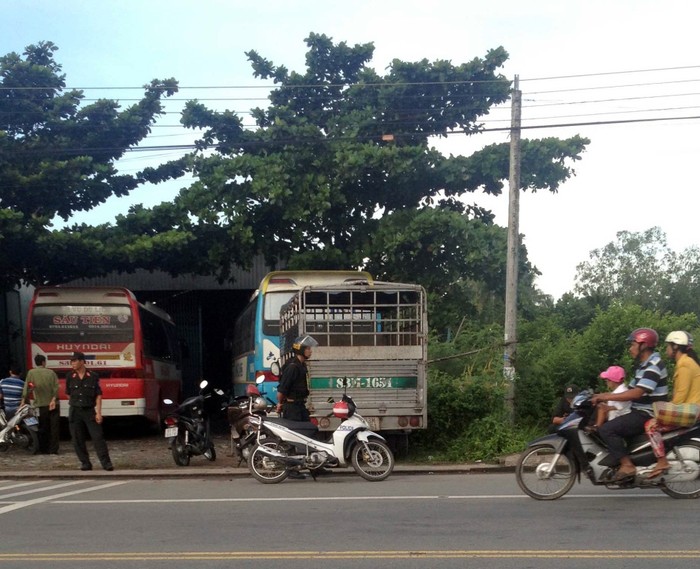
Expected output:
(640, 268)
(490, 437)
(455, 403)
(340, 172)
(56, 158)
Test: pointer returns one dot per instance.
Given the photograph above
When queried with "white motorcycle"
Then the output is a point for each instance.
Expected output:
(285, 446)
(21, 430)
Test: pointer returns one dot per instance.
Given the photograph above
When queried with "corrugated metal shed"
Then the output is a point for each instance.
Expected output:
(159, 280)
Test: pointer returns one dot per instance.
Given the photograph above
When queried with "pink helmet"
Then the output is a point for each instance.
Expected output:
(614, 373)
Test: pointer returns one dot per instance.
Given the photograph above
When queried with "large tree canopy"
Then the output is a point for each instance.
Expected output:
(338, 171)
(337, 153)
(56, 158)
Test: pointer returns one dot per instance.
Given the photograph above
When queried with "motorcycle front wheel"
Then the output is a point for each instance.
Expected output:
(263, 468)
(27, 439)
(180, 454)
(372, 460)
(683, 479)
(539, 478)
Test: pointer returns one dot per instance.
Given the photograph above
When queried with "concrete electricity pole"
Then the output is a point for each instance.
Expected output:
(510, 327)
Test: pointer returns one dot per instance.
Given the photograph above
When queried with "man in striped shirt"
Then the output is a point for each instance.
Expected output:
(11, 391)
(649, 384)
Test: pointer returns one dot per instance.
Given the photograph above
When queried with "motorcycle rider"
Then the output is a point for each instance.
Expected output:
(293, 388)
(649, 384)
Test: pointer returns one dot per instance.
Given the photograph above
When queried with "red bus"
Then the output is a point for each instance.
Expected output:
(132, 346)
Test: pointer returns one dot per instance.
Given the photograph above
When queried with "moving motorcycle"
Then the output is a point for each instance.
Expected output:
(550, 465)
(188, 426)
(284, 446)
(21, 430)
(240, 410)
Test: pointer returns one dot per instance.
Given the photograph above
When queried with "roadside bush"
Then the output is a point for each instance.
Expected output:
(454, 404)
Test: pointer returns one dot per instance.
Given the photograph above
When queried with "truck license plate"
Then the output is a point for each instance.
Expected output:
(170, 432)
(373, 423)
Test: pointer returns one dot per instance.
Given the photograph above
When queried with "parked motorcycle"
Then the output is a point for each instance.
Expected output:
(20, 431)
(284, 446)
(240, 410)
(188, 426)
(550, 465)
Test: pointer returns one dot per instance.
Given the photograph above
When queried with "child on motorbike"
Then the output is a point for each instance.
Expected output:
(614, 378)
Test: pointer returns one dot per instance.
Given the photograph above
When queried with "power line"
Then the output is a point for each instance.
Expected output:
(347, 85)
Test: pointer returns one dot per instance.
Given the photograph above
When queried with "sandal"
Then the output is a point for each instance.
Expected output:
(658, 472)
(622, 475)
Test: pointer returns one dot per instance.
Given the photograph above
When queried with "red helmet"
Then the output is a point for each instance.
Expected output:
(645, 336)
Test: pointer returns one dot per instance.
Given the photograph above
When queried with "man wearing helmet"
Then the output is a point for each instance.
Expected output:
(648, 385)
(293, 388)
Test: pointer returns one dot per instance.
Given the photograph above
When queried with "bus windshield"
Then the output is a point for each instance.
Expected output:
(64, 323)
(274, 301)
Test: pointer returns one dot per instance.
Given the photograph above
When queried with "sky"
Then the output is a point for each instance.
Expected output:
(577, 62)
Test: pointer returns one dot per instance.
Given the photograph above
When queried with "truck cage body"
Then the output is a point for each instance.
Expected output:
(373, 340)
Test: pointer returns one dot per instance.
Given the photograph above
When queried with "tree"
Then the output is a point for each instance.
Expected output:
(340, 155)
(641, 268)
(58, 157)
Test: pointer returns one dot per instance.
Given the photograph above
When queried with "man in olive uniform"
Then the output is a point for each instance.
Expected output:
(85, 412)
(43, 383)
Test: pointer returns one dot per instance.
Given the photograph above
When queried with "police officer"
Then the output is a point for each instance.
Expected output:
(85, 412)
(293, 388)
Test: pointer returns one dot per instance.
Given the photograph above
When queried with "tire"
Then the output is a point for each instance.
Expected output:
(27, 439)
(264, 469)
(180, 454)
(689, 467)
(4, 447)
(372, 460)
(533, 478)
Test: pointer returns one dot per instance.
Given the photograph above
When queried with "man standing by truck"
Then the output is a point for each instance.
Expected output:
(293, 387)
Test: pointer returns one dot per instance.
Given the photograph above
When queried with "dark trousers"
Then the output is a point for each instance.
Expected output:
(616, 431)
(295, 411)
(49, 429)
(81, 421)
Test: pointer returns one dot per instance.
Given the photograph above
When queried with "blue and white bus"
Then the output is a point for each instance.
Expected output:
(256, 332)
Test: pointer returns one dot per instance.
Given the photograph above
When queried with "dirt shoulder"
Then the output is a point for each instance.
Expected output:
(144, 452)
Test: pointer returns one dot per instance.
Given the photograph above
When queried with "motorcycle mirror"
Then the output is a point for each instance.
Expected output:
(168, 401)
(203, 384)
(260, 379)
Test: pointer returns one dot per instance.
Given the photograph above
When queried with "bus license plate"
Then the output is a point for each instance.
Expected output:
(170, 432)
(31, 421)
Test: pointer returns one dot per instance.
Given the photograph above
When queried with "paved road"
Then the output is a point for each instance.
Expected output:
(408, 521)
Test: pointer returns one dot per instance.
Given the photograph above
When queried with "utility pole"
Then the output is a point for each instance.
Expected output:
(510, 327)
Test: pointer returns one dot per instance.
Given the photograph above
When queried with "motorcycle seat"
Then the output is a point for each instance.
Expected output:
(306, 428)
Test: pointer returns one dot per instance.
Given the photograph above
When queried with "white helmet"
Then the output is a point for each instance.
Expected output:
(680, 338)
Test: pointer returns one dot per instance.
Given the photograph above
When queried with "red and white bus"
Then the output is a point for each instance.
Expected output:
(132, 346)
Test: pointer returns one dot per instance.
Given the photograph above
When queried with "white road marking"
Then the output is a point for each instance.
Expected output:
(21, 484)
(332, 499)
(41, 489)
(27, 503)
